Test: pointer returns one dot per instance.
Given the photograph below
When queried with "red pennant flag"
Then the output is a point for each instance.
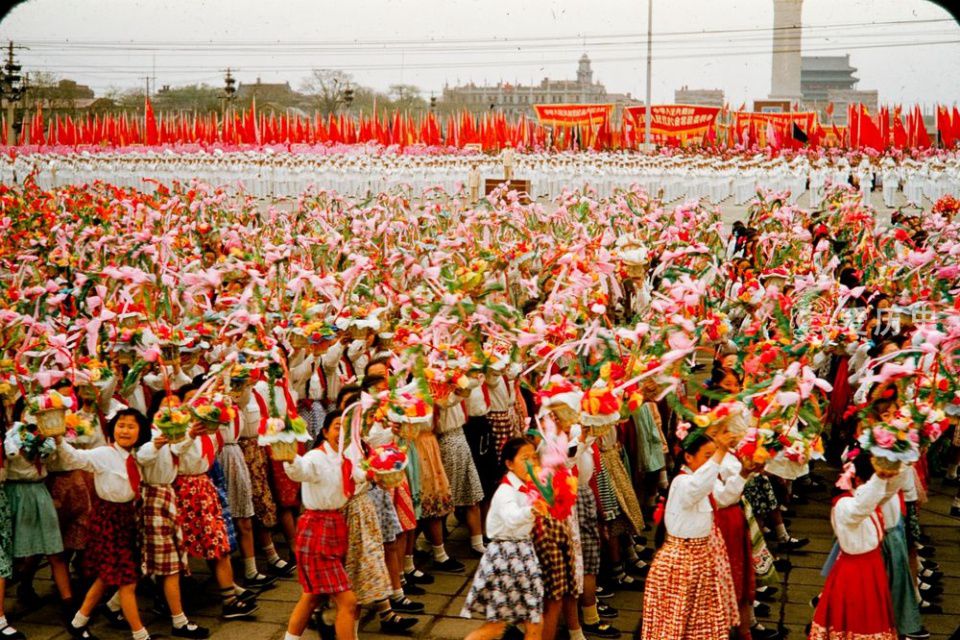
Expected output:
(899, 133)
(150, 123)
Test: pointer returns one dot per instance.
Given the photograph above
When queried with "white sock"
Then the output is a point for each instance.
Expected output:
(782, 534)
(408, 566)
(397, 594)
(114, 602)
(141, 634)
(290, 636)
(952, 471)
(250, 567)
(79, 620)
(577, 634)
(476, 542)
(632, 554)
(439, 553)
(179, 620)
(238, 590)
(272, 556)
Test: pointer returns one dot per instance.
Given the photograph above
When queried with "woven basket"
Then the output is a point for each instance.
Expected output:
(299, 341)
(169, 351)
(51, 423)
(283, 451)
(637, 271)
(125, 356)
(389, 479)
(409, 431)
(886, 464)
(173, 434)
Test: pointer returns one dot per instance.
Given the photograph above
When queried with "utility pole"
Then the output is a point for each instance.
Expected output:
(229, 91)
(646, 135)
(12, 88)
(147, 80)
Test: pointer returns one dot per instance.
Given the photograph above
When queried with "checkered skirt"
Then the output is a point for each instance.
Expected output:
(589, 530)
(115, 556)
(321, 550)
(508, 584)
(551, 539)
(161, 549)
(688, 594)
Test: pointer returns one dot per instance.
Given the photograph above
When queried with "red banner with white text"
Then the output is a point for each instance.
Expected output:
(673, 123)
(573, 115)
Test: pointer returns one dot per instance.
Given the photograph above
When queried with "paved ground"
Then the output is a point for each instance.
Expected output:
(445, 598)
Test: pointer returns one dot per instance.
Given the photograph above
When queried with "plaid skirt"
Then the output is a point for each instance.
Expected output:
(365, 562)
(115, 556)
(688, 594)
(201, 518)
(551, 539)
(503, 426)
(286, 492)
(589, 530)
(238, 484)
(264, 508)
(508, 584)
(72, 498)
(321, 550)
(162, 550)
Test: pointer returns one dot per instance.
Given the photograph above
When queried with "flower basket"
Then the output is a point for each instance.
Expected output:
(50, 422)
(299, 341)
(173, 424)
(87, 392)
(283, 451)
(635, 271)
(389, 479)
(169, 351)
(409, 431)
(213, 412)
(886, 464)
(125, 356)
(439, 389)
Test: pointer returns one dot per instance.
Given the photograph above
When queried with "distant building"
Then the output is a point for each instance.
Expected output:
(821, 74)
(703, 97)
(279, 93)
(842, 98)
(517, 99)
(65, 95)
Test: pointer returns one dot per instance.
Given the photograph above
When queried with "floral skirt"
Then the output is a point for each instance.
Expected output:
(72, 498)
(508, 584)
(6, 538)
(465, 487)
(435, 498)
(365, 562)
(689, 593)
(201, 518)
(115, 557)
(386, 514)
(264, 508)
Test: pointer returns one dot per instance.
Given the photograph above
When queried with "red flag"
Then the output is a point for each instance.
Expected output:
(956, 124)
(870, 135)
(945, 127)
(150, 123)
(829, 110)
(899, 133)
(921, 136)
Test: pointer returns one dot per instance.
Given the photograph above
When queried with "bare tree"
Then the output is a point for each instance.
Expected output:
(406, 97)
(325, 87)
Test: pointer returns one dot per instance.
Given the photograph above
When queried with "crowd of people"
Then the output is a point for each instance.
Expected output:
(608, 393)
(898, 180)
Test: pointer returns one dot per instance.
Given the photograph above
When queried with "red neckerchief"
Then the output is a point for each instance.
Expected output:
(208, 448)
(486, 393)
(236, 424)
(264, 412)
(133, 471)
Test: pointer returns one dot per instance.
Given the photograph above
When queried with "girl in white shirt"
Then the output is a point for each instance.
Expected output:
(114, 559)
(508, 587)
(321, 543)
(856, 600)
(689, 591)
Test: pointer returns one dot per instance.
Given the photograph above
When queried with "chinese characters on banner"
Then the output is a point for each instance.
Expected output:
(573, 115)
(673, 123)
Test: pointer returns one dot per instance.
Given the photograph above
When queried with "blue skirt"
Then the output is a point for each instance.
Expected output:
(36, 529)
(906, 606)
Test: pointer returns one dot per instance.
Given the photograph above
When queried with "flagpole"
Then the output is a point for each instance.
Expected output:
(646, 133)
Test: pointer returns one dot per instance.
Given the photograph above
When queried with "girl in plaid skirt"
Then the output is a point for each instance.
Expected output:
(321, 542)
(508, 585)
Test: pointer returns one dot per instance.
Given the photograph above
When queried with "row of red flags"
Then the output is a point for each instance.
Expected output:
(888, 128)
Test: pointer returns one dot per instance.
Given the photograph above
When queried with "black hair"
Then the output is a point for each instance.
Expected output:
(510, 450)
(348, 393)
(695, 441)
(374, 362)
(143, 427)
(372, 381)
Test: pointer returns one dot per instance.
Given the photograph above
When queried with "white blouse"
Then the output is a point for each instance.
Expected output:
(477, 404)
(511, 513)
(855, 520)
(451, 415)
(689, 513)
(109, 466)
(319, 472)
(192, 461)
(157, 466)
(890, 507)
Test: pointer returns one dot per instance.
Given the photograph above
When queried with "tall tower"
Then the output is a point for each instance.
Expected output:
(585, 73)
(787, 30)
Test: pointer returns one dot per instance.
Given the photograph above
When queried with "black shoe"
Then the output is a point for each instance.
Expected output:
(246, 596)
(815, 600)
(603, 593)
(955, 512)
(282, 572)
(600, 630)
(788, 513)
(646, 554)
(30, 599)
(114, 618)
(449, 566)
(761, 610)
(930, 608)
(929, 591)
(923, 634)
(626, 582)
(406, 605)
(606, 611)
(929, 564)
(931, 576)
(190, 630)
(759, 632)
(397, 624)
(239, 609)
(81, 633)
(782, 564)
(766, 594)
(260, 582)
(418, 577)
(926, 552)
(793, 544)
(411, 589)
(11, 635)
(639, 569)
(924, 539)
(513, 633)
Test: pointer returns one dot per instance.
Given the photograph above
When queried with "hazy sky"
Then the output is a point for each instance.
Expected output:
(700, 43)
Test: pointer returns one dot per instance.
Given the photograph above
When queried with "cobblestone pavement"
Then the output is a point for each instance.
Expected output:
(445, 597)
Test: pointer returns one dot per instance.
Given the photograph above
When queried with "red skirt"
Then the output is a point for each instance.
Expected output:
(736, 536)
(201, 517)
(856, 602)
(115, 556)
(403, 503)
(321, 550)
(285, 491)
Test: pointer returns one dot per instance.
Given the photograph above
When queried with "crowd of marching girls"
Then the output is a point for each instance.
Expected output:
(607, 394)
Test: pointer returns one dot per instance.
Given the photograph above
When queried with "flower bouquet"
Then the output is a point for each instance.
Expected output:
(79, 427)
(8, 380)
(599, 410)
(891, 443)
(50, 409)
(929, 421)
(173, 422)
(213, 411)
(557, 489)
(385, 465)
(312, 334)
(411, 412)
(33, 443)
(283, 436)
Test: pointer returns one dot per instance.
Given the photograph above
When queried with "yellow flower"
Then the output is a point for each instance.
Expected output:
(701, 421)
(56, 401)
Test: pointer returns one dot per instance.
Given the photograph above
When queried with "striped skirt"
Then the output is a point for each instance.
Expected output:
(689, 593)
